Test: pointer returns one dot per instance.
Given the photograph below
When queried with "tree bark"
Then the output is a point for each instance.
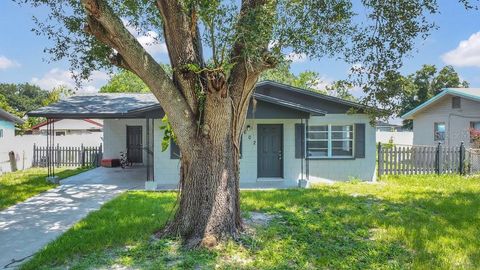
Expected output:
(209, 204)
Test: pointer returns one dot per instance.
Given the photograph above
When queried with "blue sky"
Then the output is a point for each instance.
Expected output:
(456, 42)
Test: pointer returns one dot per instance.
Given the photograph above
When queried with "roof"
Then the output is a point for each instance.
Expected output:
(10, 117)
(37, 126)
(469, 93)
(131, 105)
(385, 124)
(311, 93)
(101, 105)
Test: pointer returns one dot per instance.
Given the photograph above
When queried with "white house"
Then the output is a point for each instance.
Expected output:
(391, 133)
(64, 127)
(311, 135)
(7, 132)
(447, 117)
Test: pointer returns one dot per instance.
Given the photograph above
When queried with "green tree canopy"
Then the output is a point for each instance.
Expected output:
(125, 82)
(422, 85)
(21, 98)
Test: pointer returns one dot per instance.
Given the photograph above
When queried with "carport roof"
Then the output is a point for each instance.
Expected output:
(111, 105)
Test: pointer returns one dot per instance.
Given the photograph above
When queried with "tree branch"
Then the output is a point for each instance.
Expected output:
(182, 37)
(245, 73)
(105, 25)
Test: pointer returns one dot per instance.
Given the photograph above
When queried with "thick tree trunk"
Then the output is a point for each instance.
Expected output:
(209, 207)
(209, 204)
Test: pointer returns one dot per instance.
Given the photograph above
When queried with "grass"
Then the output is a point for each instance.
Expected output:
(420, 222)
(18, 186)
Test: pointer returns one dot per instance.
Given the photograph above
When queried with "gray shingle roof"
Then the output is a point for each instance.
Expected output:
(123, 105)
(91, 105)
(4, 115)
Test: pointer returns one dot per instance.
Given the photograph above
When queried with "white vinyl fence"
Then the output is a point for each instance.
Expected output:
(399, 137)
(22, 146)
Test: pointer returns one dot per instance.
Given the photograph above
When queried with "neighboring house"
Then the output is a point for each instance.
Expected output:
(7, 134)
(447, 117)
(384, 126)
(65, 127)
(391, 133)
(7, 125)
(339, 145)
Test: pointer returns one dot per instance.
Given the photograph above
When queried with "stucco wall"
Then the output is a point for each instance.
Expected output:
(167, 170)
(6, 144)
(398, 137)
(457, 122)
(341, 170)
(115, 134)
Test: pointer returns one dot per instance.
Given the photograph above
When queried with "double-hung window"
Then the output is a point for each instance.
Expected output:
(330, 141)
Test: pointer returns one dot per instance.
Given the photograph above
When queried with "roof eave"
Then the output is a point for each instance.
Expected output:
(410, 114)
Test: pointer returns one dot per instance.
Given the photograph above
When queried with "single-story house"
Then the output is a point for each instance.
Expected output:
(7, 134)
(388, 127)
(7, 125)
(448, 118)
(64, 127)
(339, 145)
(388, 133)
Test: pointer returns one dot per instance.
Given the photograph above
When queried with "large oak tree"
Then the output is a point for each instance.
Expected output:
(218, 49)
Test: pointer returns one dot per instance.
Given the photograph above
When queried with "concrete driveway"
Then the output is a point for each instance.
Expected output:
(27, 227)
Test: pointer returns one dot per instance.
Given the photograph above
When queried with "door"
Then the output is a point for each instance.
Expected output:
(134, 144)
(270, 150)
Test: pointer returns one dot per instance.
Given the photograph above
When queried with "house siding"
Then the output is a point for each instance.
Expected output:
(115, 134)
(457, 122)
(6, 144)
(167, 169)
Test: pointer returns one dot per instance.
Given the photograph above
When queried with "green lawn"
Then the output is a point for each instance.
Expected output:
(18, 186)
(400, 223)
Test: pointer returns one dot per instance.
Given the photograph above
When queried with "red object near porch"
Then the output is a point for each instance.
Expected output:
(110, 162)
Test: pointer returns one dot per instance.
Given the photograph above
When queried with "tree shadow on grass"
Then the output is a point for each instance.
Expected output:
(19, 186)
(128, 220)
(311, 229)
(343, 231)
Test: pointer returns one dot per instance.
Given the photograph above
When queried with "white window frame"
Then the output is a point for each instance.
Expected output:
(329, 141)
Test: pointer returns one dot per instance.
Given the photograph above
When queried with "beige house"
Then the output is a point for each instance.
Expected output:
(448, 117)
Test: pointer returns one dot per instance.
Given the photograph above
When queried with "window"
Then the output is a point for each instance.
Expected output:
(439, 131)
(330, 141)
(456, 103)
(1, 133)
(60, 133)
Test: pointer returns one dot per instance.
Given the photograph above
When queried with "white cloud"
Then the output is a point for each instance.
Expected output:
(59, 77)
(323, 82)
(150, 40)
(6, 63)
(467, 53)
(296, 57)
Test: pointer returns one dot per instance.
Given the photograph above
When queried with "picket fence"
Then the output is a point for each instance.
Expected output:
(418, 159)
(64, 156)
